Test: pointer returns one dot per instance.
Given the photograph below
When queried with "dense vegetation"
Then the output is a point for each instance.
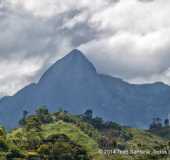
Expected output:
(160, 128)
(63, 136)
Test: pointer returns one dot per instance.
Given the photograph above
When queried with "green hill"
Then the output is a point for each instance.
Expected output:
(24, 139)
(163, 132)
(62, 136)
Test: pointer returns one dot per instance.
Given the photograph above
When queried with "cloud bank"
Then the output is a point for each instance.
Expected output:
(127, 39)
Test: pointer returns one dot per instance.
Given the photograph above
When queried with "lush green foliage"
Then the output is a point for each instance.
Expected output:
(62, 136)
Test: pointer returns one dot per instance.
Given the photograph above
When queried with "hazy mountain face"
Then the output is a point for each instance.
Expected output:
(73, 84)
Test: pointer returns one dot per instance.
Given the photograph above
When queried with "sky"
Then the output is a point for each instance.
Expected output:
(129, 39)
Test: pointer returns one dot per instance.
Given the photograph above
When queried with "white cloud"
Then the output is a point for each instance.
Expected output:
(129, 39)
(135, 41)
(47, 8)
(134, 16)
(16, 74)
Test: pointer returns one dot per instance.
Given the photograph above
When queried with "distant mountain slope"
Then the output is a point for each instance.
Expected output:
(74, 84)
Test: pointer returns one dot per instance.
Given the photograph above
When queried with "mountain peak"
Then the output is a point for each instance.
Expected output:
(76, 59)
(75, 54)
(74, 62)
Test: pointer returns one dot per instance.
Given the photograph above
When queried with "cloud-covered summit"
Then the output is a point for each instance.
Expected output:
(127, 39)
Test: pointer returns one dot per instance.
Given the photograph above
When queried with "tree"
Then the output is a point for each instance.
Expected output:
(60, 147)
(33, 123)
(14, 154)
(3, 146)
(88, 114)
(42, 110)
(97, 122)
(25, 113)
(2, 133)
(43, 115)
(23, 119)
(156, 124)
(166, 122)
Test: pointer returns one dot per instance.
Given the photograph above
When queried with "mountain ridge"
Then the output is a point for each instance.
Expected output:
(73, 83)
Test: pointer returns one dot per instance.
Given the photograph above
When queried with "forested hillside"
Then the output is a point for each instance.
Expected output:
(63, 136)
